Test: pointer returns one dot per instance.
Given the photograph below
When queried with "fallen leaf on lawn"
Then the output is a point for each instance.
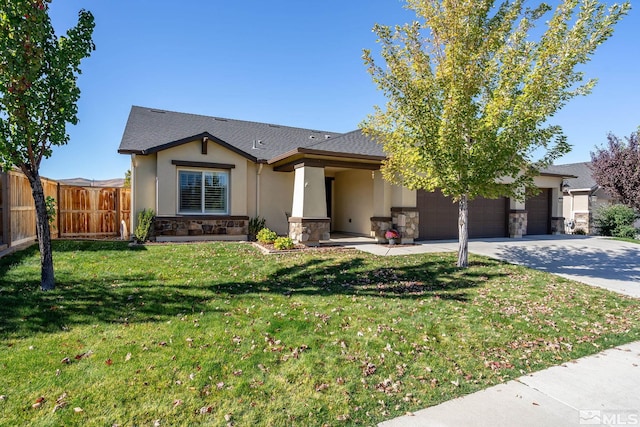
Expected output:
(177, 402)
(205, 410)
(127, 357)
(109, 362)
(78, 410)
(59, 406)
(342, 417)
(220, 385)
(321, 387)
(3, 397)
(66, 361)
(227, 417)
(456, 383)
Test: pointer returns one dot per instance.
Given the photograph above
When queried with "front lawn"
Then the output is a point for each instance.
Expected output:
(219, 334)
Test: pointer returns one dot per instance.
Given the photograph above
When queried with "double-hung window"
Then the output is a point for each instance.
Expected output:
(203, 192)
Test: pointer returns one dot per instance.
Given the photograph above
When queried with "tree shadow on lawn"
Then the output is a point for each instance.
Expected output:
(145, 297)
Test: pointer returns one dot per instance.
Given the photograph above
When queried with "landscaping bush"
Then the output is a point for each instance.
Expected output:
(580, 231)
(627, 232)
(255, 225)
(283, 243)
(266, 236)
(615, 219)
(143, 229)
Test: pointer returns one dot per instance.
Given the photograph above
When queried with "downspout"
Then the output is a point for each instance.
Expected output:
(258, 173)
(133, 215)
(156, 195)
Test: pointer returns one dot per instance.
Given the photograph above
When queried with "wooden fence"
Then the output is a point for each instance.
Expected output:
(80, 211)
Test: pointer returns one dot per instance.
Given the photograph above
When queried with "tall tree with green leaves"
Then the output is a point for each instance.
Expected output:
(38, 97)
(471, 86)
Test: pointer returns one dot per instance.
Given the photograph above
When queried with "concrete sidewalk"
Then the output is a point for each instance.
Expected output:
(603, 389)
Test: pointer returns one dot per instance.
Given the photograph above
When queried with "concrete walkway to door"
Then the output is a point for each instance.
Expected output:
(596, 261)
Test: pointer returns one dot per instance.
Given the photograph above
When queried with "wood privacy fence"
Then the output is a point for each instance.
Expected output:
(96, 212)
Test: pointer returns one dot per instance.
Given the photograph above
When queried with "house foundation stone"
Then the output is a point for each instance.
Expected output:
(406, 220)
(309, 231)
(379, 226)
(517, 224)
(231, 228)
(557, 225)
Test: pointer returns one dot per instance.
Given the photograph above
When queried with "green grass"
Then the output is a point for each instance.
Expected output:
(217, 333)
(626, 239)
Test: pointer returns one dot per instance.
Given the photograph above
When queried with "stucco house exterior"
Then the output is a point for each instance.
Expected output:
(205, 177)
(582, 197)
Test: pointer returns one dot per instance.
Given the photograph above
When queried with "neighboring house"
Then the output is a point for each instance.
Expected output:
(206, 176)
(582, 197)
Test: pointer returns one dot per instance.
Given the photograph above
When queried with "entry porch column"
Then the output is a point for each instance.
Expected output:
(309, 222)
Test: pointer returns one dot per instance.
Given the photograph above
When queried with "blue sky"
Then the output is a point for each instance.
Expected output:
(295, 63)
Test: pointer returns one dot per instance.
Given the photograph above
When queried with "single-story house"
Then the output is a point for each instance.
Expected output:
(205, 177)
(582, 197)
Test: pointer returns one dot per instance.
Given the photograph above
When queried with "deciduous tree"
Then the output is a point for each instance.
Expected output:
(616, 168)
(470, 89)
(38, 97)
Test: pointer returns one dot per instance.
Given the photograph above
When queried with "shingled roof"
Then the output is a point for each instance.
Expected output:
(150, 130)
(582, 175)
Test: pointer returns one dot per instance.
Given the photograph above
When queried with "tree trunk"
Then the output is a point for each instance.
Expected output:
(47, 279)
(463, 234)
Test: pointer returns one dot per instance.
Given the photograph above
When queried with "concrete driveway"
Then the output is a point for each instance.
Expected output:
(597, 261)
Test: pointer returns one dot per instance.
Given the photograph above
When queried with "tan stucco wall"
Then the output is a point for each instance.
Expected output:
(168, 175)
(143, 184)
(276, 195)
(353, 191)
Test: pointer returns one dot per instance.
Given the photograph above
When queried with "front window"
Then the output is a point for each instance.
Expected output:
(203, 192)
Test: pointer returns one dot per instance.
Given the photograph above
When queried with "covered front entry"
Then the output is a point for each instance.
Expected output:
(439, 217)
(539, 213)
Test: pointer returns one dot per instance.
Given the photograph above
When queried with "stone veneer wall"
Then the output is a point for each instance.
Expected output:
(557, 225)
(406, 221)
(517, 223)
(584, 221)
(379, 225)
(309, 231)
(236, 226)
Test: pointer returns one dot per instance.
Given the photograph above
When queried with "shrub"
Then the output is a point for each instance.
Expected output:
(626, 231)
(143, 229)
(283, 243)
(610, 220)
(266, 236)
(580, 231)
(255, 225)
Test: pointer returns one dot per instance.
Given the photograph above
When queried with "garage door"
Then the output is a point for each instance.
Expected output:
(538, 210)
(439, 217)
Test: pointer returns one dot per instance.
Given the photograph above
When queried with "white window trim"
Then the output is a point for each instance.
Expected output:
(202, 172)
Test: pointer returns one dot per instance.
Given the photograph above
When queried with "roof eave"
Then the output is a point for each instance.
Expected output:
(302, 150)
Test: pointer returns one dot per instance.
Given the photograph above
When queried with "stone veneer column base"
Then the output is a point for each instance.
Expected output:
(309, 231)
(517, 224)
(406, 221)
(583, 222)
(557, 225)
(379, 226)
